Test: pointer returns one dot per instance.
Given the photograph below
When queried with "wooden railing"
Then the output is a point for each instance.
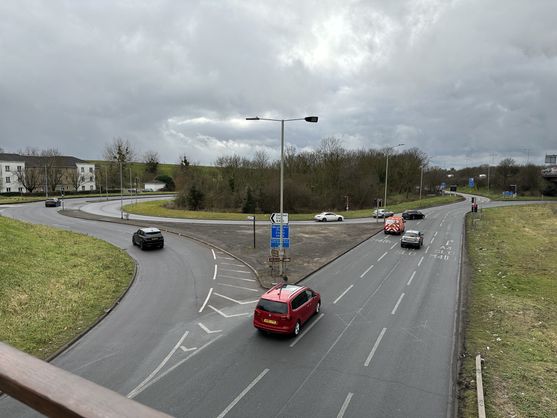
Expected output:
(57, 393)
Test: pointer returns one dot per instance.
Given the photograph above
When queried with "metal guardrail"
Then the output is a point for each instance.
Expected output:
(57, 393)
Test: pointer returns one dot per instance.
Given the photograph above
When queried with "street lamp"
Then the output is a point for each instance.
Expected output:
(387, 173)
(281, 240)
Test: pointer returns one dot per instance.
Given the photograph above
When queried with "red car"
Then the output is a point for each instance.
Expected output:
(285, 308)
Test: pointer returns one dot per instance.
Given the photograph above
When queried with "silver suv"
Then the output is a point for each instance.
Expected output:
(412, 238)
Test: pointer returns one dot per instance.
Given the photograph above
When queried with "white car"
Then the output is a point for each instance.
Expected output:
(328, 216)
(382, 213)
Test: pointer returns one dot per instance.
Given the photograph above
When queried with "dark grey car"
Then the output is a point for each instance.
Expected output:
(148, 238)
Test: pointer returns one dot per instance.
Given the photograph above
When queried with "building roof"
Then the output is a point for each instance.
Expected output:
(39, 161)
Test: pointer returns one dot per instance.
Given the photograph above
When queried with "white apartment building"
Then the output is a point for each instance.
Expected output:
(20, 173)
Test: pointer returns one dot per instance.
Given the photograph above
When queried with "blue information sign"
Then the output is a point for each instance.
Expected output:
(275, 236)
(471, 182)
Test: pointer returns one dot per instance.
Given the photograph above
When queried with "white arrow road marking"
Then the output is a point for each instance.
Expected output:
(228, 316)
(207, 330)
(236, 301)
(139, 387)
(184, 349)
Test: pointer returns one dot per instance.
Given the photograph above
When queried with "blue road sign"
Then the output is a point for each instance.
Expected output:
(275, 243)
(471, 182)
(275, 231)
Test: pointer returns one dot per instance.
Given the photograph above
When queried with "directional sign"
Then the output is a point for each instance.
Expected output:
(275, 218)
(275, 231)
(275, 243)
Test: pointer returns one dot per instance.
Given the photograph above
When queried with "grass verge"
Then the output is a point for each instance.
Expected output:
(54, 284)
(512, 312)
(159, 208)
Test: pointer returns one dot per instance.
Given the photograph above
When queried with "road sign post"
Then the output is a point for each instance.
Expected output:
(280, 221)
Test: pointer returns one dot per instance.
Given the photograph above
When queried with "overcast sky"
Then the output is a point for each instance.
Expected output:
(468, 82)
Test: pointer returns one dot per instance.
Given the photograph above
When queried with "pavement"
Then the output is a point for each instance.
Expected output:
(311, 246)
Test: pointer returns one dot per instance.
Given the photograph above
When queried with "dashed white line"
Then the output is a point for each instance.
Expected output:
(343, 293)
(398, 303)
(365, 272)
(244, 392)
(158, 368)
(214, 255)
(368, 360)
(411, 277)
(237, 271)
(432, 239)
(345, 405)
(427, 249)
(206, 300)
(420, 262)
(232, 264)
(215, 273)
(394, 245)
(306, 330)
(380, 258)
(435, 233)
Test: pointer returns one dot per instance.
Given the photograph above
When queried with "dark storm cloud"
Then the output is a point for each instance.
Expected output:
(461, 80)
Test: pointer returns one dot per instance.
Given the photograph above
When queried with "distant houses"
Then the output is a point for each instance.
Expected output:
(28, 174)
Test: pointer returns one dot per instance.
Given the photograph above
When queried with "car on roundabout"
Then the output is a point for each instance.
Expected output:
(52, 202)
(148, 238)
(328, 216)
(413, 214)
(382, 213)
(285, 308)
(412, 238)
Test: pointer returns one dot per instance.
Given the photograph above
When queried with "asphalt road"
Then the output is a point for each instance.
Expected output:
(182, 341)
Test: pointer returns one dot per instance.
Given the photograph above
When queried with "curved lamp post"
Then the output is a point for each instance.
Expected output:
(281, 240)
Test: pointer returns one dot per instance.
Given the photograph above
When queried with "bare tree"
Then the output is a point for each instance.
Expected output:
(53, 168)
(151, 160)
(74, 178)
(30, 177)
(120, 150)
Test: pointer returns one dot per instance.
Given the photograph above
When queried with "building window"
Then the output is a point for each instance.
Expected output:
(91, 178)
(8, 189)
(19, 169)
(82, 169)
(90, 169)
(7, 168)
(20, 190)
(8, 180)
(83, 188)
(90, 187)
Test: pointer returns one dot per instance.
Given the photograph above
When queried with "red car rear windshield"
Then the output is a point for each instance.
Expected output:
(272, 306)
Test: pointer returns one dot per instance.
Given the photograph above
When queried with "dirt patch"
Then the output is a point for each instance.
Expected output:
(311, 246)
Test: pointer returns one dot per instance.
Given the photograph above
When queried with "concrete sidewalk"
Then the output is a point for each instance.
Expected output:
(311, 246)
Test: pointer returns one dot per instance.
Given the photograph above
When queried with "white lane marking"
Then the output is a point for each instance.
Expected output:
(394, 245)
(232, 264)
(185, 350)
(411, 277)
(365, 272)
(448, 242)
(427, 249)
(244, 392)
(138, 388)
(221, 313)
(368, 360)
(207, 330)
(215, 273)
(343, 293)
(398, 303)
(228, 258)
(345, 405)
(214, 255)
(435, 234)
(237, 278)
(234, 300)
(420, 262)
(380, 258)
(237, 271)
(238, 287)
(206, 300)
(159, 377)
(306, 330)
